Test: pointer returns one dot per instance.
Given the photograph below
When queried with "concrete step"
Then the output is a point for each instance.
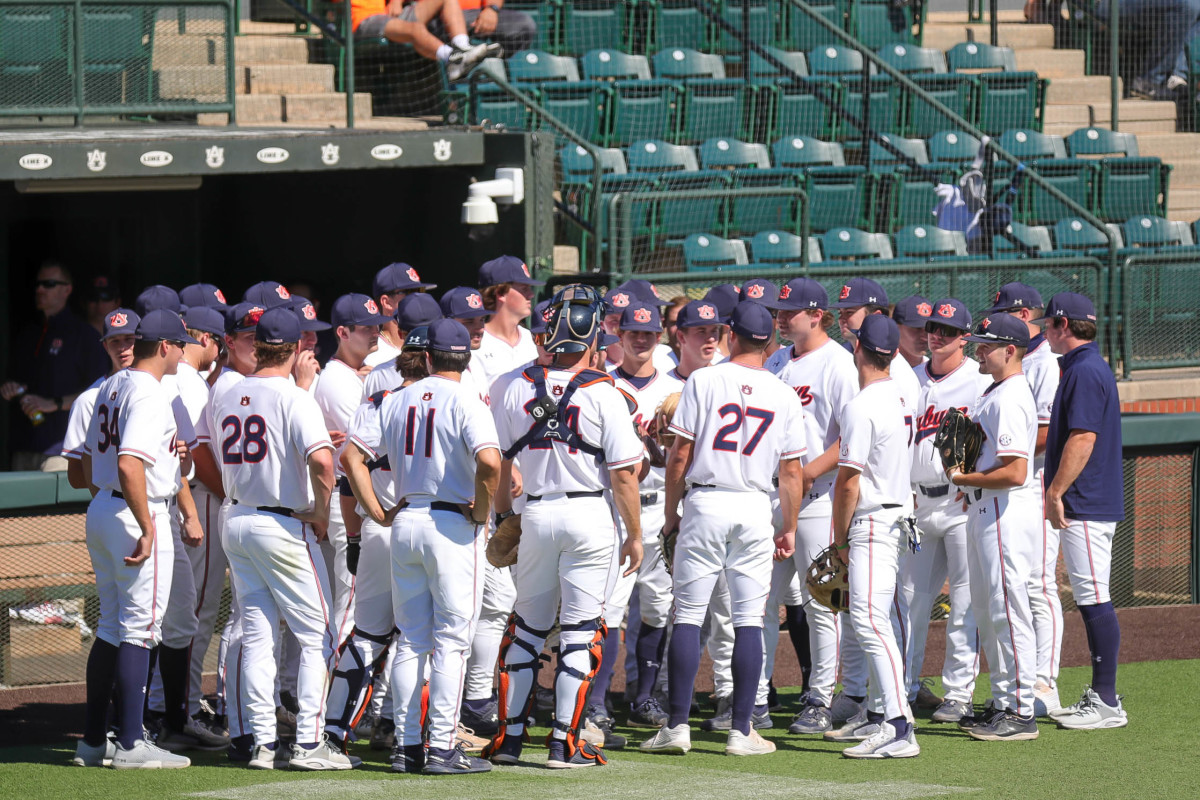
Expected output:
(1147, 126)
(259, 108)
(1185, 173)
(1051, 63)
(1078, 116)
(184, 51)
(1017, 35)
(1169, 147)
(325, 107)
(1132, 110)
(1183, 198)
(265, 28)
(1088, 89)
(289, 78)
(277, 50)
(960, 17)
(185, 82)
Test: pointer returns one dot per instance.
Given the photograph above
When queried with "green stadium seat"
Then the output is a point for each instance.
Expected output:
(978, 57)
(583, 107)
(645, 110)
(929, 241)
(852, 244)
(486, 101)
(1050, 282)
(717, 108)
(804, 151)
(911, 59)
(1032, 236)
(681, 63)
(614, 65)
(594, 24)
(705, 251)
(879, 22)
(1196, 231)
(1147, 230)
(750, 215)
(538, 66)
(1074, 177)
(576, 163)
(954, 90)
(1028, 145)
(657, 156)
(733, 154)
(116, 58)
(837, 195)
(835, 61)
(677, 218)
(801, 32)
(952, 147)
(885, 105)
(547, 15)
(35, 56)
(678, 23)
(1101, 142)
(796, 109)
(762, 25)
(1130, 186)
(763, 72)
(780, 248)
(1009, 100)
(1073, 233)
(883, 161)
(908, 197)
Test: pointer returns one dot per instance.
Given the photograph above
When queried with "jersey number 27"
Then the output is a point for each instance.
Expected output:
(722, 441)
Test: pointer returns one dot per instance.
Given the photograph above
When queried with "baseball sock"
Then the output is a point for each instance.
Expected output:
(682, 665)
(1104, 641)
(797, 622)
(173, 665)
(746, 668)
(651, 644)
(902, 726)
(461, 41)
(608, 662)
(133, 663)
(101, 669)
(443, 53)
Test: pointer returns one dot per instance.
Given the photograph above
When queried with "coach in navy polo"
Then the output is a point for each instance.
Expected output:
(1085, 495)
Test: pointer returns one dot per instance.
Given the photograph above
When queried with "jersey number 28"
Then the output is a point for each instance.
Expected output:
(244, 442)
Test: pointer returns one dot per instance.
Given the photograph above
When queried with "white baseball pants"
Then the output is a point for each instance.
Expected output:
(1044, 602)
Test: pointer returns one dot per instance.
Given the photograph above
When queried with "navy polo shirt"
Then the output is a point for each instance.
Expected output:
(1087, 400)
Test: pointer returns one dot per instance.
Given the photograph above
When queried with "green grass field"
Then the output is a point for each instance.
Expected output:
(1156, 757)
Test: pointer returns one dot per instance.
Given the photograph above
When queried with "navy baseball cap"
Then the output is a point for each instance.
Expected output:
(801, 294)
(417, 339)
(950, 312)
(268, 294)
(306, 312)
(1070, 305)
(417, 309)
(356, 309)
(861, 292)
(506, 269)
(163, 325)
(398, 277)
(540, 320)
(879, 334)
(278, 325)
(1001, 328)
(606, 340)
(725, 296)
(156, 297)
(753, 321)
(1013, 296)
(103, 288)
(119, 322)
(913, 312)
(631, 291)
(641, 317)
(449, 336)
(644, 290)
(203, 318)
(243, 317)
(202, 294)
(697, 313)
(761, 291)
(463, 302)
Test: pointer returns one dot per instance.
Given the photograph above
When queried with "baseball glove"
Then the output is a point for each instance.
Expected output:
(828, 581)
(669, 539)
(958, 441)
(662, 420)
(502, 547)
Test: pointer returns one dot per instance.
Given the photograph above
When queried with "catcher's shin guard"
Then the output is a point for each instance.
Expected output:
(520, 660)
(360, 660)
(580, 651)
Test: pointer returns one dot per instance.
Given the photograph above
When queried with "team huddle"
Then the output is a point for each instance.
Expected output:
(411, 527)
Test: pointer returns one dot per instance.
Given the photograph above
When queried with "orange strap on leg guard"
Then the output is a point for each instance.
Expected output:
(565, 672)
(528, 641)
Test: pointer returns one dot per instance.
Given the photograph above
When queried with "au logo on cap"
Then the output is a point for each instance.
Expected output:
(118, 320)
(412, 273)
(371, 307)
(986, 322)
(220, 296)
(845, 292)
(282, 291)
(309, 312)
(944, 310)
(926, 310)
(785, 292)
(641, 315)
(474, 301)
(755, 291)
(706, 312)
(620, 300)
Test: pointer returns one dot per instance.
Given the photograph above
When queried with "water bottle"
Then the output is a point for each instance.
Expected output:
(37, 417)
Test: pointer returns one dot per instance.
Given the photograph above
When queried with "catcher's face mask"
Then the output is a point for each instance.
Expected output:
(575, 319)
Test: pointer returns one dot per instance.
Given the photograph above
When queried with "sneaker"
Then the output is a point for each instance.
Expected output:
(323, 757)
(210, 729)
(1045, 699)
(843, 708)
(773, 703)
(339, 744)
(384, 735)
(586, 755)
(598, 714)
(509, 751)
(453, 762)
(1006, 727)
(760, 718)
(462, 62)
(723, 719)
(365, 726)
(951, 711)
(544, 699)
(813, 719)
(263, 757)
(648, 714)
(884, 743)
(857, 729)
(669, 740)
(152, 724)
(595, 735)
(740, 744)
(1094, 714)
(285, 723)
(144, 755)
(982, 718)
(99, 756)
(241, 749)
(484, 722)
(926, 699)
(408, 759)
(194, 736)
(469, 740)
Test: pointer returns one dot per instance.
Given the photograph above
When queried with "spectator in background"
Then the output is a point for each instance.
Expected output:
(52, 361)
(488, 19)
(409, 23)
(103, 298)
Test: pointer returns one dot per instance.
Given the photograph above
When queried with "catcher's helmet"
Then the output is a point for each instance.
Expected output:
(574, 323)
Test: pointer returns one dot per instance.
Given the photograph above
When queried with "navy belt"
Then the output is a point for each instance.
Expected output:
(442, 505)
(703, 486)
(280, 510)
(934, 491)
(118, 495)
(649, 499)
(891, 505)
(533, 498)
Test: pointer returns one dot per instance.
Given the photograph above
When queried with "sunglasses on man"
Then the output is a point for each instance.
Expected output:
(50, 283)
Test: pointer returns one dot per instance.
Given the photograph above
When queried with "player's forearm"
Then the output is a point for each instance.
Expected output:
(85, 468)
(1009, 474)
(502, 502)
(131, 472)
(185, 501)
(207, 471)
(791, 491)
(320, 475)
(845, 501)
(487, 482)
(75, 475)
(1042, 432)
(353, 522)
(824, 462)
(627, 500)
(678, 462)
(1076, 454)
(355, 465)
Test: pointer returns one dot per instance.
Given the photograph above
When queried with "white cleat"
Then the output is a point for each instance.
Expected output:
(99, 756)
(669, 740)
(1093, 714)
(884, 743)
(144, 755)
(264, 757)
(858, 728)
(739, 744)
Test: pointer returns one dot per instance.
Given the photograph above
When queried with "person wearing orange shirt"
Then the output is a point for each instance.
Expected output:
(409, 23)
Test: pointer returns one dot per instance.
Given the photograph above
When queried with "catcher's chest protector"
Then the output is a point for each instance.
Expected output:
(552, 422)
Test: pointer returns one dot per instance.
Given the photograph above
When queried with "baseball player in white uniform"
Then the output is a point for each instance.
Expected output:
(131, 459)
(414, 311)
(736, 424)
(277, 469)
(871, 498)
(911, 313)
(948, 380)
(575, 436)
(391, 285)
(1002, 520)
(442, 440)
(507, 290)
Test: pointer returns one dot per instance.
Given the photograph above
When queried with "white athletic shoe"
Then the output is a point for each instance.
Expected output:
(843, 708)
(858, 728)
(1045, 699)
(144, 755)
(323, 757)
(1066, 711)
(884, 743)
(739, 744)
(1094, 714)
(669, 740)
(463, 61)
(264, 757)
(99, 756)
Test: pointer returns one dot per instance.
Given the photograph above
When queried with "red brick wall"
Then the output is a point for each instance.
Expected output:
(1177, 405)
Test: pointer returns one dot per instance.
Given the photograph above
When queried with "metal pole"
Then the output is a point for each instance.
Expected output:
(745, 47)
(866, 114)
(348, 75)
(994, 22)
(77, 51)
(1114, 77)
(230, 68)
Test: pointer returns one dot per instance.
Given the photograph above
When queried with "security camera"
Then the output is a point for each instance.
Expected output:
(507, 188)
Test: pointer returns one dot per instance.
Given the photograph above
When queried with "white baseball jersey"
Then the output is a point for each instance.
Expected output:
(266, 428)
(1008, 415)
(497, 356)
(476, 379)
(743, 421)
(382, 354)
(649, 398)
(338, 395)
(664, 358)
(193, 391)
(960, 388)
(1041, 369)
(501, 384)
(226, 381)
(600, 415)
(364, 427)
(906, 380)
(877, 431)
(779, 359)
(384, 377)
(133, 417)
(79, 420)
(431, 432)
(824, 380)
